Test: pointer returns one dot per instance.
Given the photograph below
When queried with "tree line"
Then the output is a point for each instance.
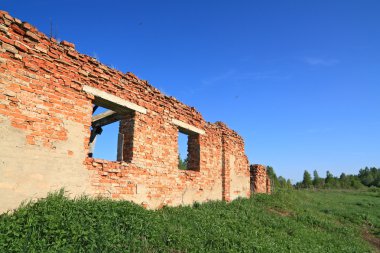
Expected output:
(367, 177)
(278, 182)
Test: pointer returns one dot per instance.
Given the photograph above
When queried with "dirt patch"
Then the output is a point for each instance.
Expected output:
(374, 240)
(280, 212)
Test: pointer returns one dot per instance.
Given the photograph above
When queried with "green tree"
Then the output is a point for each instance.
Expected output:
(182, 164)
(370, 176)
(272, 175)
(282, 182)
(329, 178)
(317, 181)
(344, 181)
(289, 184)
(306, 182)
(278, 182)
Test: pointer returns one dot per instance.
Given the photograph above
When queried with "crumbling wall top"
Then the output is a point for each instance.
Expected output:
(25, 43)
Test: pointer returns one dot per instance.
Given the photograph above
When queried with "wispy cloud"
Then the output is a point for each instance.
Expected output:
(319, 130)
(236, 76)
(221, 77)
(326, 62)
(274, 75)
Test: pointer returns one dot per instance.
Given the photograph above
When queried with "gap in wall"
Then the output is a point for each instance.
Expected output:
(106, 142)
(182, 150)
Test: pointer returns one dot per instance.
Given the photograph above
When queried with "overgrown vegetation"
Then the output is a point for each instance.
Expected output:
(287, 221)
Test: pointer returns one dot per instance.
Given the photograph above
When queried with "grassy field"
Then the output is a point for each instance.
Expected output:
(287, 221)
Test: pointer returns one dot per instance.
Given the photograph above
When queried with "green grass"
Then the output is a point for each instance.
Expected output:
(288, 221)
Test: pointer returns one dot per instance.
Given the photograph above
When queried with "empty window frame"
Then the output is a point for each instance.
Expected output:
(111, 134)
(183, 153)
(188, 136)
(188, 143)
(113, 111)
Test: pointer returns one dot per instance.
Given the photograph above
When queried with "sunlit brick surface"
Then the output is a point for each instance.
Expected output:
(45, 119)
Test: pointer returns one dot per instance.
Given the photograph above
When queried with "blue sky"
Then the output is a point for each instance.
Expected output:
(299, 80)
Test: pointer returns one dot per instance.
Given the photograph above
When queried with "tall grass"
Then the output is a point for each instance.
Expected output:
(288, 221)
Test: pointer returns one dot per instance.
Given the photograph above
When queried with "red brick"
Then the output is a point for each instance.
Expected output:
(19, 125)
(2, 13)
(30, 140)
(27, 26)
(17, 29)
(6, 40)
(67, 44)
(21, 46)
(7, 16)
(32, 36)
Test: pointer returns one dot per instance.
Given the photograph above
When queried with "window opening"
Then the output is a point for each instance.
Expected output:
(107, 136)
(182, 151)
(188, 150)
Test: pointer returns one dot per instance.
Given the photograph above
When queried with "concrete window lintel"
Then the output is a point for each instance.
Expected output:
(187, 127)
(114, 99)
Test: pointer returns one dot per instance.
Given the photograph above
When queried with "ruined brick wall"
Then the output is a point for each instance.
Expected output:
(268, 185)
(234, 172)
(45, 119)
(260, 182)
